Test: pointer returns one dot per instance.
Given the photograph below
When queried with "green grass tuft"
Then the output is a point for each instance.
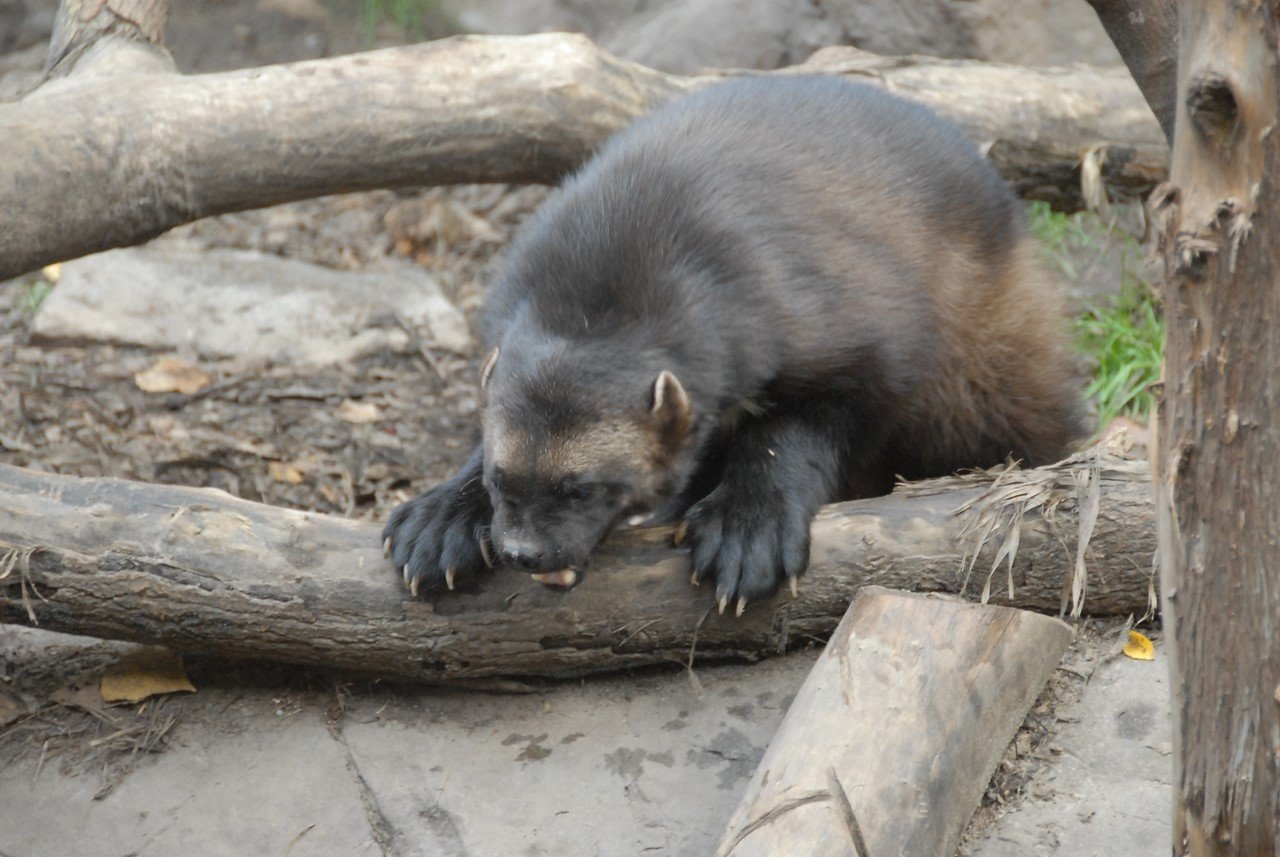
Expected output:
(1125, 338)
(416, 19)
(1123, 335)
(35, 295)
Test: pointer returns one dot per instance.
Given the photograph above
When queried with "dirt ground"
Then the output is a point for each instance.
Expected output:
(276, 434)
(77, 408)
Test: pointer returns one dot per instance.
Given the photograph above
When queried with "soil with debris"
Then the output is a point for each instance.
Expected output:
(275, 434)
(295, 437)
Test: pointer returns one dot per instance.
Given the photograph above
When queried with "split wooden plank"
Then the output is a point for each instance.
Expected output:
(893, 737)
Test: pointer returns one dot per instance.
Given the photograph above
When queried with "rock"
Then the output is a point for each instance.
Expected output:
(235, 303)
(687, 35)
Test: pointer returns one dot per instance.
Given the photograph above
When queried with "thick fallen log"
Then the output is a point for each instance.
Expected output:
(894, 735)
(201, 571)
(160, 149)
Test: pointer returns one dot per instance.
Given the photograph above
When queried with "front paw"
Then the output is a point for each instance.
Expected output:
(747, 544)
(439, 538)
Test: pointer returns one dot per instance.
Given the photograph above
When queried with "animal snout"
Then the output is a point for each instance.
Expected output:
(522, 554)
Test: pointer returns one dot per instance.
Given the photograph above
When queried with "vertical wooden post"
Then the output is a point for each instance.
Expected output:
(1217, 455)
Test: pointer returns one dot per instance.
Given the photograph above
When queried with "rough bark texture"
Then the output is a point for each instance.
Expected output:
(81, 23)
(1146, 34)
(893, 738)
(202, 571)
(1218, 485)
(469, 109)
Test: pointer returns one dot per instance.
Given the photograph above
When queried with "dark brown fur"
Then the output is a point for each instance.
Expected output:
(770, 295)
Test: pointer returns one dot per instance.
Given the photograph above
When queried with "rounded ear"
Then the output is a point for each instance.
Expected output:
(486, 368)
(671, 406)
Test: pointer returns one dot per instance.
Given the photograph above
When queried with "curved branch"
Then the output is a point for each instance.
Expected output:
(159, 149)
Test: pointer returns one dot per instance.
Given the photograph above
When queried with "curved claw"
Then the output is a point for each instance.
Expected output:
(742, 607)
(695, 579)
(413, 587)
(386, 546)
(724, 602)
(679, 534)
(485, 552)
(449, 574)
(795, 587)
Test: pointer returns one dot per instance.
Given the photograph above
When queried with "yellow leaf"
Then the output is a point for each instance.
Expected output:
(1139, 647)
(143, 673)
(171, 375)
(282, 472)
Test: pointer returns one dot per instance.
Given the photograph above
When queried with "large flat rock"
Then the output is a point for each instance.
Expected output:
(235, 303)
(1110, 789)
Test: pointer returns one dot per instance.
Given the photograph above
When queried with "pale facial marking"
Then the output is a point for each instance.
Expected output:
(593, 449)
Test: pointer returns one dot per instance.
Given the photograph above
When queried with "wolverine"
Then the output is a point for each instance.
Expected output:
(769, 295)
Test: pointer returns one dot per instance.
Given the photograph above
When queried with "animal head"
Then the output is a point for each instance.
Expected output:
(572, 446)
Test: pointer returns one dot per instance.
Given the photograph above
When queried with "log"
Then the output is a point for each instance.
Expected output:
(466, 109)
(204, 572)
(894, 735)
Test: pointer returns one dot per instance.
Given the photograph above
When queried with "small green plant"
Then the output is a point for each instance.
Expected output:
(1121, 335)
(1125, 336)
(1064, 237)
(415, 18)
(34, 296)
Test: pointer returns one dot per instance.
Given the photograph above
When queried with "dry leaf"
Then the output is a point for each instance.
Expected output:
(172, 375)
(282, 472)
(1139, 647)
(143, 673)
(351, 411)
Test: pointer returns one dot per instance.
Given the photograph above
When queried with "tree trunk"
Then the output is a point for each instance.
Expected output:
(160, 149)
(875, 756)
(1146, 34)
(202, 571)
(1218, 489)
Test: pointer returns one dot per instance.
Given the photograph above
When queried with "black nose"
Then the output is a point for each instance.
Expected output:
(521, 555)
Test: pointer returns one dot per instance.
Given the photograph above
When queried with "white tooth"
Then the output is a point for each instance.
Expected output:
(563, 577)
(449, 575)
(484, 552)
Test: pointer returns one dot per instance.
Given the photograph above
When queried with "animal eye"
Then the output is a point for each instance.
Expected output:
(579, 491)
